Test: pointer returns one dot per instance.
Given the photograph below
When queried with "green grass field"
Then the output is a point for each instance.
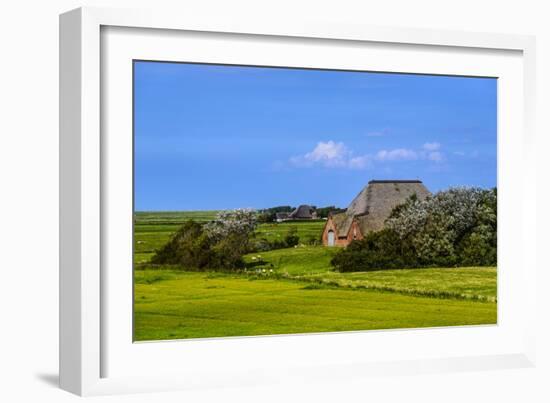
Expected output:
(177, 305)
(306, 230)
(173, 217)
(153, 229)
(302, 260)
(312, 263)
(294, 290)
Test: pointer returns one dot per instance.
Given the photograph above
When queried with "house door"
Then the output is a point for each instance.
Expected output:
(331, 238)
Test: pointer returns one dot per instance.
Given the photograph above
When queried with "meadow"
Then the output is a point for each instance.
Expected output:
(153, 229)
(295, 290)
(178, 305)
(307, 230)
(312, 264)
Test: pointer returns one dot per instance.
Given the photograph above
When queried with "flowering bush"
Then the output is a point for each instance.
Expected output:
(454, 227)
(217, 245)
(232, 222)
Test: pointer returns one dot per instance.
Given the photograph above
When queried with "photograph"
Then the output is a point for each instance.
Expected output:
(272, 200)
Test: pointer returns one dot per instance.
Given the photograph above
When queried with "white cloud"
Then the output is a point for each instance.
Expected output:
(329, 154)
(431, 146)
(396, 155)
(329, 151)
(333, 154)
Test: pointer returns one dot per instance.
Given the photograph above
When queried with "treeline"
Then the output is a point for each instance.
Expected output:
(270, 214)
(456, 227)
(323, 212)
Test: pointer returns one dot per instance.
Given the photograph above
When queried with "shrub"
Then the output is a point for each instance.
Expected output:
(227, 254)
(291, 237)
(189, 247)
(217, 245)
(262, 245)
(478, 249)
(456, 226)
(453, 227)
(240, 221)
(378, 250)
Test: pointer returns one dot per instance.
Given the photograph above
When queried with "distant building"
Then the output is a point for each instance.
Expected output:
(370, 209)
(281, 216)
(303, 212)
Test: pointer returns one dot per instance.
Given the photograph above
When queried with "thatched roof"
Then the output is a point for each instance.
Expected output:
(342, 221)
(373, 205)
(302, 212)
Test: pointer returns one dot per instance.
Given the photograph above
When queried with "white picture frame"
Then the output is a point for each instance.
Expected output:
(96, 356)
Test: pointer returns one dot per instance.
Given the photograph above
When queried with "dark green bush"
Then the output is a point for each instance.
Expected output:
(291, 237)
(191, 248)
(227, 254)
(262, 245)
(378, 250)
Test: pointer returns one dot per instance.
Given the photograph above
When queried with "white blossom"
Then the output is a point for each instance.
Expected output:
(239, 221)
(436, 223)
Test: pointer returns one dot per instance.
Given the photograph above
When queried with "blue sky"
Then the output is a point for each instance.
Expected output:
(222, 137)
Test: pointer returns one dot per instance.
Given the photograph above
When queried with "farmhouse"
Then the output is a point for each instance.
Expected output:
(303, 212)
(370, 209)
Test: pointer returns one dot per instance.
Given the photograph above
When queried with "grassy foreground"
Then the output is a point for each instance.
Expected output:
(294, 290)
(178, 305)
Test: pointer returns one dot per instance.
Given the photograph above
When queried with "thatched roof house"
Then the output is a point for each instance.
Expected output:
(303, 212)
(370, 209)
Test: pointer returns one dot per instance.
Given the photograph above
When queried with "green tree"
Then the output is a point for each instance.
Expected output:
(291, 237)
(189, 247)
(217, 245)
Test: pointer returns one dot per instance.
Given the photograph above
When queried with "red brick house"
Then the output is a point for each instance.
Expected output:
(369, 210)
